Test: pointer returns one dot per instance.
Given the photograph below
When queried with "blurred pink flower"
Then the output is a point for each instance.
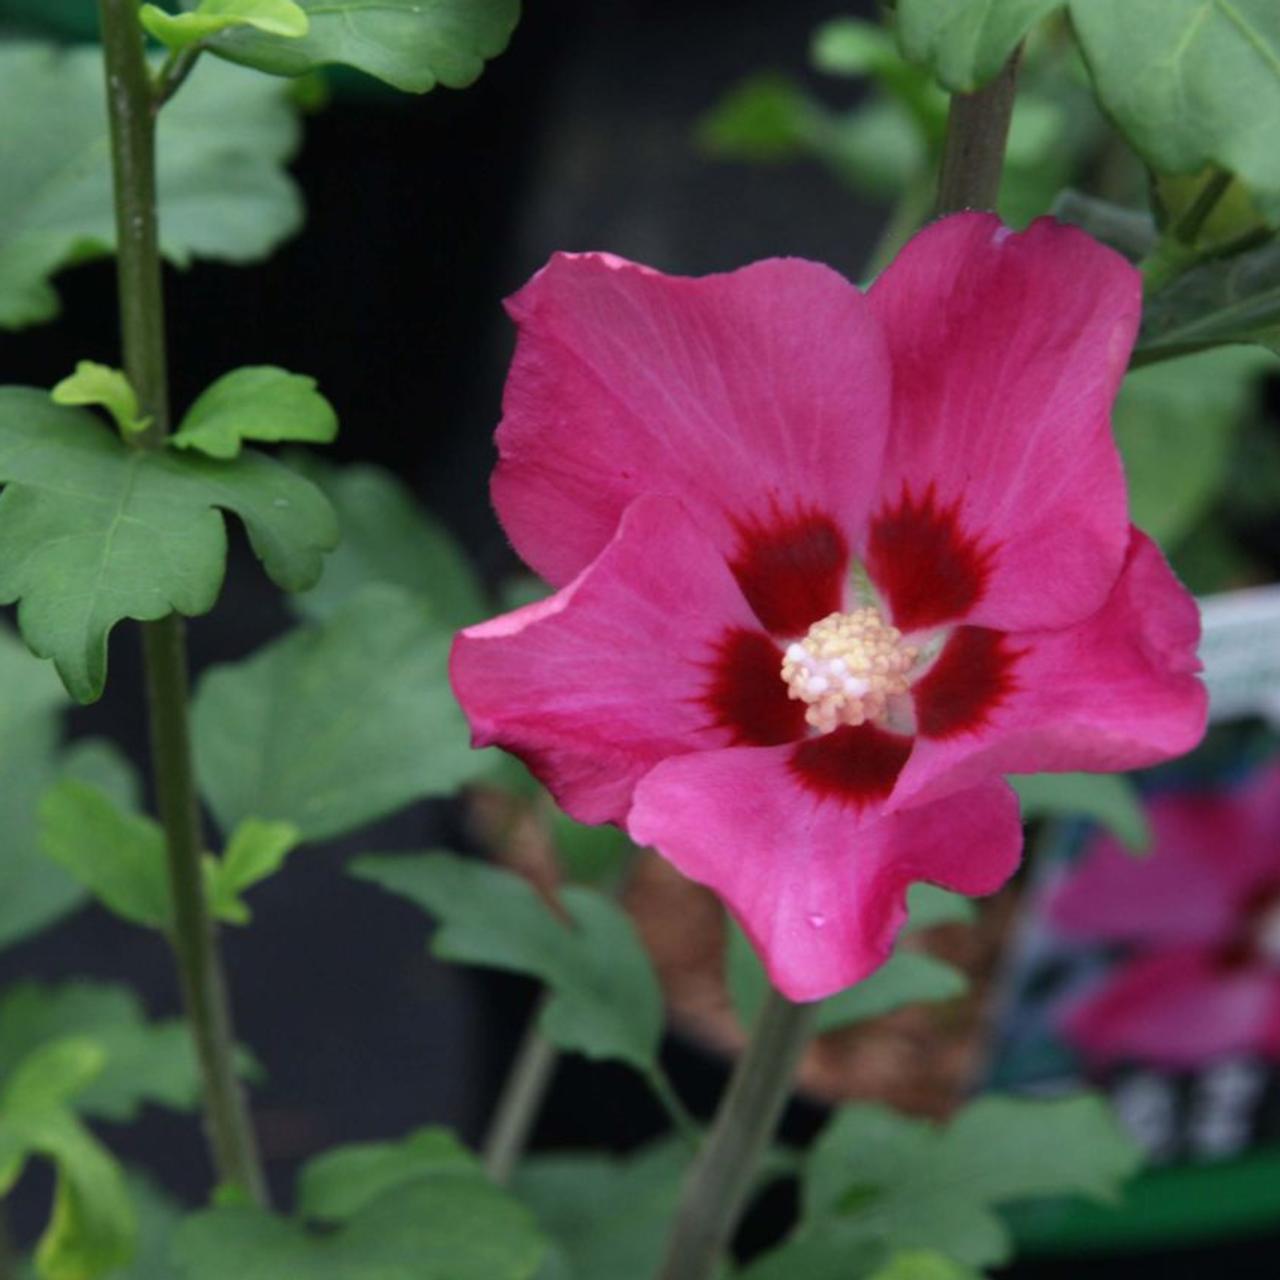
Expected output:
(1202, 915)
(828, 564)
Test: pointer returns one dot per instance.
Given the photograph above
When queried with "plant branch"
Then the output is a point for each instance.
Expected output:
(717, 1187)
(132, 119)
(973, 152)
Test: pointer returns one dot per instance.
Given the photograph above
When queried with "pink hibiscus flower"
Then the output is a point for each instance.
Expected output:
(828, 564)
(1202, 915)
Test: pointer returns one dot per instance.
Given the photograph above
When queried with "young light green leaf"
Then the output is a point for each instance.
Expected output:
(349, 721)
(99, 384)
(387, 537)
(255, 851)
(923, 1264)
(222, 144)
(95, 531)
(411, 44)
(1175, 424)
(1231, 300)
(92, 1227)
(258, 402)
(143, 1062)
(605, 999)
(1109, 799)
(338, 1185)
(180, 30)
(605, 1215)
(1190, 83)
(118, 857)
(446, 1222)
(765, 118)
(966, 42)
(880, 1176)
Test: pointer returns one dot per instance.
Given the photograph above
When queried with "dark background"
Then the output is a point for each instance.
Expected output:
(422, 214)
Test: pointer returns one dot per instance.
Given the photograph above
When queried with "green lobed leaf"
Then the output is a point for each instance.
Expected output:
(33, 891)
(158, 1217)
(410, 44)
(92, 1226)
(1176, 423)
(258, 402)
(589, 855)
(338, 1185)
(99, 384)
(605, 1215)
(255, 851)
(118, 857)
(907, 977)
(1231, 300)
(336, 724)
(966, 42)
(825, 1254)
(1109, 799)
(143, 1062)
(388, 537)
(425, 1219)
(927, 906)
(879, 1176)
(605, 1001)
(222, 145)
(179, 30)
(96, 531)
(1191, 83)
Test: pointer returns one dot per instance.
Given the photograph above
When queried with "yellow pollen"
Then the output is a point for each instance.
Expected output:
(847, 668)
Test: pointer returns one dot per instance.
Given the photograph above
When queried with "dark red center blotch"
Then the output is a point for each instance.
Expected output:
(791, 570)
(747, 696)
(852, 765)
(923, 562)
(1249, 946)
(972, 675)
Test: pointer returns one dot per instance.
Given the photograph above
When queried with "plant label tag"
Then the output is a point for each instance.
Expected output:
(1240, 649)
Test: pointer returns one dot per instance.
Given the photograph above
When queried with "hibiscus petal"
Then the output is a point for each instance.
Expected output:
(759, 398)
(818, 884)
(1183, 892)
(1117, 691)
(1177, 1009)
(620, 669)
(1003, 501)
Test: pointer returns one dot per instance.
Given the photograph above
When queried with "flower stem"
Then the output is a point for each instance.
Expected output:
(973, 153)
(719, 1183)
(132, 118)
(521, 1099)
